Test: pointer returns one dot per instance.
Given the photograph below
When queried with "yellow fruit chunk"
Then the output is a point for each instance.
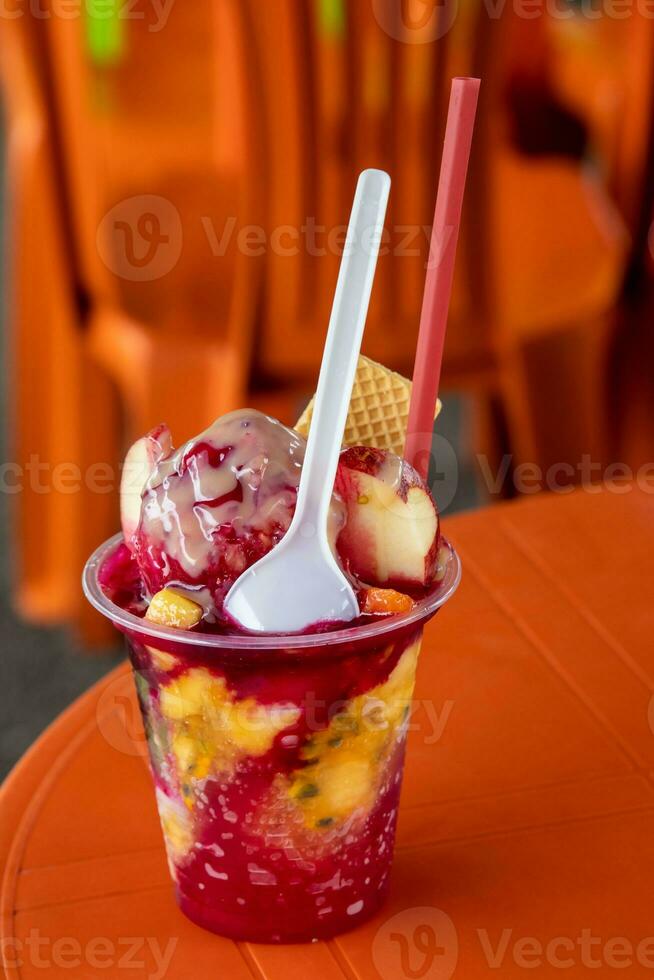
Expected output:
(193, 693)
(376, 601)
(211, 730)
(162, 660)
(177, 828)
(170, 608)
(334, 788)
(193, 759)
(345, 762)
(253, 726)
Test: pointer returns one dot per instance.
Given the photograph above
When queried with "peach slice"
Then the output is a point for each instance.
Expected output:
(385, 601)
(391, 534)
(140, 461)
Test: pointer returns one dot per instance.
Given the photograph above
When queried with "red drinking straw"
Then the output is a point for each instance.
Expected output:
(440, 271)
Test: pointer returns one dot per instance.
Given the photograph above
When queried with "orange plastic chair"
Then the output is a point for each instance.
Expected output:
(287, 337)
(63, 424)
(328, 76)
(158, 152)
(547, 249)
(418, 114)
(333, 111)
(604, 70)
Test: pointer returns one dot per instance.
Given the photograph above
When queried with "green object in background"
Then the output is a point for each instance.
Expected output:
(105, 31)
(331, 16)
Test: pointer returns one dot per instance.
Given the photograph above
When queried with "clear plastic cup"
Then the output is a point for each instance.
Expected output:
(277, 763)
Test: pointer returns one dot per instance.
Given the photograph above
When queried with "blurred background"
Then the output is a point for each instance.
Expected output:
(176, 180)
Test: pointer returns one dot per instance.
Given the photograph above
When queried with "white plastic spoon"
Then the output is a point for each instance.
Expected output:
(299, 583)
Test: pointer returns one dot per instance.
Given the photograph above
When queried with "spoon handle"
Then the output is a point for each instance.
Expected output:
(342, 347)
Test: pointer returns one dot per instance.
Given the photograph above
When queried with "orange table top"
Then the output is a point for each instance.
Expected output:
(525, 837)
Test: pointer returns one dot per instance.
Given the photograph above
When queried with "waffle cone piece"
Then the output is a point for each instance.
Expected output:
(379, 409)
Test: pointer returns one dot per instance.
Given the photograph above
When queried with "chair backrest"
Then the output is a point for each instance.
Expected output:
(62, 417)
(353, 94)
(167, 118)
(158, 149)
(598, 70)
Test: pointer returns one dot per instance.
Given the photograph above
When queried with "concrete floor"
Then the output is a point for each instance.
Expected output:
(41, 672)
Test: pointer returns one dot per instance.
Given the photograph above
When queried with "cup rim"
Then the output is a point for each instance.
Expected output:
(128, 622)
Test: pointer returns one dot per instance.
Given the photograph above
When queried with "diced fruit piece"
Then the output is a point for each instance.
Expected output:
(347, 785)
(385, 602)
(177, 828)
(171, 608)
(391, 533)
(192, 759)
(212, 730)
(345, 782)
(252, 727)
(137, 468)
(344, 764)
(195, 692)
(189, 694)
(162, 660)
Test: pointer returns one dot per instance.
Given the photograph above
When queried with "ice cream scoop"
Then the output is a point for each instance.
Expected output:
(197, 517)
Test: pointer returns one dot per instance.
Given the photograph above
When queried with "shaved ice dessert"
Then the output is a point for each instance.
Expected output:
(277, 759)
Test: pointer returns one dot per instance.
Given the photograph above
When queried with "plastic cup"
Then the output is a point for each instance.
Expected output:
(277, 764)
